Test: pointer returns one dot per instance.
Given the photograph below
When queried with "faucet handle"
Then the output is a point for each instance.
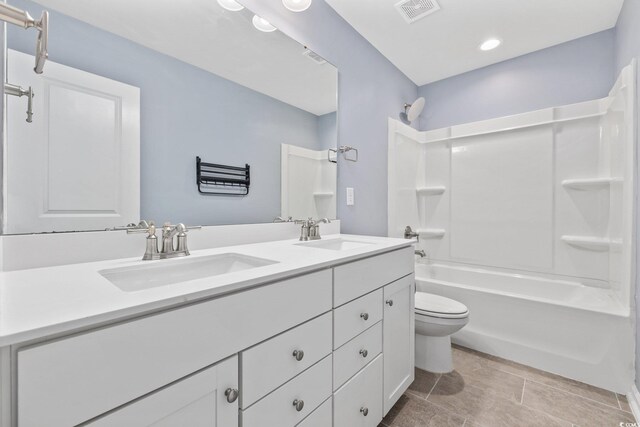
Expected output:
(182, 230)
(142, 227)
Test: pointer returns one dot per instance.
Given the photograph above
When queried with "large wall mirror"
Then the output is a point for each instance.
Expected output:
(135, 92)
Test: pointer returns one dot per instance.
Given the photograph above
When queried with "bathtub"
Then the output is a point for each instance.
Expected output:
(557, 325)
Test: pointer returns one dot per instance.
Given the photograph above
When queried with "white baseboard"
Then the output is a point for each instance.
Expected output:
(634, 402)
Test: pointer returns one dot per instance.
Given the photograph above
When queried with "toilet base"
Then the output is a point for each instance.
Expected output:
(433, 354)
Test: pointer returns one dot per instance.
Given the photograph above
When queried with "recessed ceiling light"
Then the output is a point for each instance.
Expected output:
(490, 44)
(231, 5)
(297, 5)
(262, 24)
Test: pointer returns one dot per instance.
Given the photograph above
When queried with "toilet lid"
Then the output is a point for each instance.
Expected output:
(431, 303)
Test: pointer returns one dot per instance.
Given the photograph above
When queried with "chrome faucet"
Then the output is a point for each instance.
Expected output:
(168, 249)
(281, 219)
(421, 253)
(410, 234)
(310, 229)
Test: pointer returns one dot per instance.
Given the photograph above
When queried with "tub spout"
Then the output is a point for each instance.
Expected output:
(421, 253)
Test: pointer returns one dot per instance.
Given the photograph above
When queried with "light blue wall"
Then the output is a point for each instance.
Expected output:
(575, 71)
(327, 130)
(371, 89)
(186, 112)
(627, 48)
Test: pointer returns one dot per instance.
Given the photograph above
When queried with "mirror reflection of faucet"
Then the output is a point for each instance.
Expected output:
(281, 219)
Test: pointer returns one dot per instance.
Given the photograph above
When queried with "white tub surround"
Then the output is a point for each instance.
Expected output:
(84, 344)
(547, 197)
(308, 183)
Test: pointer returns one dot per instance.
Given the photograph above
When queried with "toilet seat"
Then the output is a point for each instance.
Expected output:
(439, 307)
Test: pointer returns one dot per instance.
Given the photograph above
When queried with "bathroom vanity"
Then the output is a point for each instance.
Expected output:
(268, 334)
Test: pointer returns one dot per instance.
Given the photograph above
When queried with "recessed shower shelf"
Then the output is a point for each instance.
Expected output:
(325, 194)
(430, 191)
(592, 243)
(590, 183)
(431, 233)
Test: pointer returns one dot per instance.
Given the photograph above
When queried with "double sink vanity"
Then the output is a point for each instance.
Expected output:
(279, 333)
(254, 327)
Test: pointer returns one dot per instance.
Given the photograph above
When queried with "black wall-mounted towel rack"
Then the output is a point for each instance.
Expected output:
(214, 179)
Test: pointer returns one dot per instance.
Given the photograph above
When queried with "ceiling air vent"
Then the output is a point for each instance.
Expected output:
(313, 56)
(413, 10)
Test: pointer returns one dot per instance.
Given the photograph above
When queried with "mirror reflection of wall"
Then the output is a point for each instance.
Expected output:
(210, 85)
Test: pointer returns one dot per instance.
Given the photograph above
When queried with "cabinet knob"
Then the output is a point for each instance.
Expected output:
(298, 354)
(298, 404)
(364, 316)
(364, 411)
(389, 302)
(364, 352)
(232, 394)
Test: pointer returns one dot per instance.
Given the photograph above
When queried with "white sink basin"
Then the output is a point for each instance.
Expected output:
(169, 272)
(335, 244)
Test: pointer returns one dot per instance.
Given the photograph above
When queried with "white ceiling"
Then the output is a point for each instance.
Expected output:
(222, 42)
(446, 42)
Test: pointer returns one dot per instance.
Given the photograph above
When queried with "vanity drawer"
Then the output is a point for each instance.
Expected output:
(354, 318)
(360, 277)
(272, 363)
(321, 417)
(354, 355)
(71, 380)
(360, 395)
(312, 387)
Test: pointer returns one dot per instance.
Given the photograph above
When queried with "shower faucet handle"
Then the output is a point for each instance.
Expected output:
(410, 234)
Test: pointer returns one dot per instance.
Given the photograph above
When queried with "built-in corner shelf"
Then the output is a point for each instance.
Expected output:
(430, 191)
(592, 243)
(431, 233)
(325, 194)
(589, 183)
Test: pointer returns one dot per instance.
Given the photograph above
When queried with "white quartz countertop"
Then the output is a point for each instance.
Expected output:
(41, 302)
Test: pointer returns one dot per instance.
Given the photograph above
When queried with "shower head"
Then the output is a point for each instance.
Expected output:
(412, 111)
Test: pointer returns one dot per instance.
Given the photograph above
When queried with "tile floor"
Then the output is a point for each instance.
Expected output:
(486, 391)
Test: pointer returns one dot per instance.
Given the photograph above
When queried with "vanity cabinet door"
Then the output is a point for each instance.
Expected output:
(398, 339)
(197, 401)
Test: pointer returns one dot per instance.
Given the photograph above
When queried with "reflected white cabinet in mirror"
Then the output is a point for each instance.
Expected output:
(210, 86)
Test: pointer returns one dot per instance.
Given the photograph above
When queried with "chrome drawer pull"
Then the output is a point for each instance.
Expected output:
(232, 394)
(389, 302)
(364, 411)
(298, 404)
(298, 354)
(364, 352)
(364, 316)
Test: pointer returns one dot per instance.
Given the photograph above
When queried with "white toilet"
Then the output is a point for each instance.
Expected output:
(437, 318)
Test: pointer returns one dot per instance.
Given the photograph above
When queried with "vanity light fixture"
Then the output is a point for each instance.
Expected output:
(262, 24)
(231, 5)
(297, 5)
(490, 44)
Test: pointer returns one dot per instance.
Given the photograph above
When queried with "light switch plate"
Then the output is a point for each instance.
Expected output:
(350, 197)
